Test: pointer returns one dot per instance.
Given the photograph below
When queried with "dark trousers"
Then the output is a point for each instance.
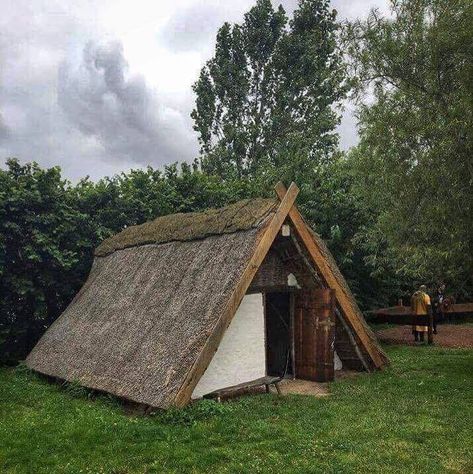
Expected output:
(419, 336)
(438, 318)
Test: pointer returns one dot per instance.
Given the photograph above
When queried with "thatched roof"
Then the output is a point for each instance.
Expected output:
(142, 317)
(242, 215)
(156, 299)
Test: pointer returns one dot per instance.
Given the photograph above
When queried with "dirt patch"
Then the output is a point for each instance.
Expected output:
(449, 335)
(304, 387)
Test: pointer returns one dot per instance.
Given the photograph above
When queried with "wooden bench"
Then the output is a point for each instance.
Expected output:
(266, 381)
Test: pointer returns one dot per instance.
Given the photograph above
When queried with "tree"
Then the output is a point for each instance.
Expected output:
(414, 160)
(266, 101)
(42, 240)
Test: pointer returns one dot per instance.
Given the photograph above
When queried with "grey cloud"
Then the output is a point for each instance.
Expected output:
(103, 100)
(190, 29)
(122, 112)
(351, 9)
(288, 5)
(91, 117)
(33, 42)
(346, 9)
(3, 128)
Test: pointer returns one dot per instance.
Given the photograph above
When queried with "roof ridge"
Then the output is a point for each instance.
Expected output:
(238, 216)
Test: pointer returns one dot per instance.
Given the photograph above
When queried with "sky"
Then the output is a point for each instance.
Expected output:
(100, 87)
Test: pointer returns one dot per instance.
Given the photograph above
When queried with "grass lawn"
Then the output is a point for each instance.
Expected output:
(416, 416)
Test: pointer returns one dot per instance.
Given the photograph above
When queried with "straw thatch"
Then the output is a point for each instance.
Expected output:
(140, 321)
(242, 215)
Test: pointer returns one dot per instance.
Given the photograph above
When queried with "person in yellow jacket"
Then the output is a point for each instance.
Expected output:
(421, 309)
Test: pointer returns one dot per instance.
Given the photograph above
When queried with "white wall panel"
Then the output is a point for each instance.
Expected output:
(240, 356)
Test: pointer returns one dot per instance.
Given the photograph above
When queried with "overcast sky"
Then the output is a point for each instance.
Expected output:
(100, 87)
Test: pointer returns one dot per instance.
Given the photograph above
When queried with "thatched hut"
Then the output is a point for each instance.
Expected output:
(188, 303)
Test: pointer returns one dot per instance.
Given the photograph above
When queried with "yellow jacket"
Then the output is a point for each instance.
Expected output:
(420, 302)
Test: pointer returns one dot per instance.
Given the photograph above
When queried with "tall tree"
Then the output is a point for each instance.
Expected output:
(415, 158)
(267, 99)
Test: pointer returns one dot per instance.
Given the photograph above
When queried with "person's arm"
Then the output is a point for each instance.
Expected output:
(428, 304)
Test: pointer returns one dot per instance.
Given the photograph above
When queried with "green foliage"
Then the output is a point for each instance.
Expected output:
(42, 241)
(330, 205)
(266, 102)
(414, 161)
(413, 417)
(75, 389)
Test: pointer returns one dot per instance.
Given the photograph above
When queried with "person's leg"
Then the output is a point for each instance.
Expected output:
(421, 333)
(416, 335)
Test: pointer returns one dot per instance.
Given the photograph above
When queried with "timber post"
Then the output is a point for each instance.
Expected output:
(430, 334)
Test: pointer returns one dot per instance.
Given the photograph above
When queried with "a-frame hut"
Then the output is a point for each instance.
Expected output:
(189, 303)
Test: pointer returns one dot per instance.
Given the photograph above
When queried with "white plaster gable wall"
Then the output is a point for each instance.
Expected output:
(337, 362)
(240, 356)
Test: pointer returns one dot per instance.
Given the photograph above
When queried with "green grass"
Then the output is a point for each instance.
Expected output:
(416, 416)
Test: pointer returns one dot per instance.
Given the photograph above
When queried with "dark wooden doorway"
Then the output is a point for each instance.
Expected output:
(314, 334)
(278, 334)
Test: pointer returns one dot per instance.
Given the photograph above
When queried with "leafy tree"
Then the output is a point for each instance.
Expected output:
(414, 160)
(266, 101)
(42, 240)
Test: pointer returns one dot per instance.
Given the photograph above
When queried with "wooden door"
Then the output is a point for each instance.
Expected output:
(314, 334)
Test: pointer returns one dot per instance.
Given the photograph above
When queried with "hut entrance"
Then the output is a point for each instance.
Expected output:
(278, 334)
(314, 334)
(300, 334)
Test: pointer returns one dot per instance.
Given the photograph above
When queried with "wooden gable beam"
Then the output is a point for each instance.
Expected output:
(328, 276)
(265, 241)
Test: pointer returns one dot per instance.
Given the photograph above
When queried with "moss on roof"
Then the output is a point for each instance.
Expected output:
(242, 215)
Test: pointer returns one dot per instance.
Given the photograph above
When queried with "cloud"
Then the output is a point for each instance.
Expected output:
(63, 103)
(68, 98)
(120, 110)
(346, 9)
(190, 29)
(351, 9)
(195, 27)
